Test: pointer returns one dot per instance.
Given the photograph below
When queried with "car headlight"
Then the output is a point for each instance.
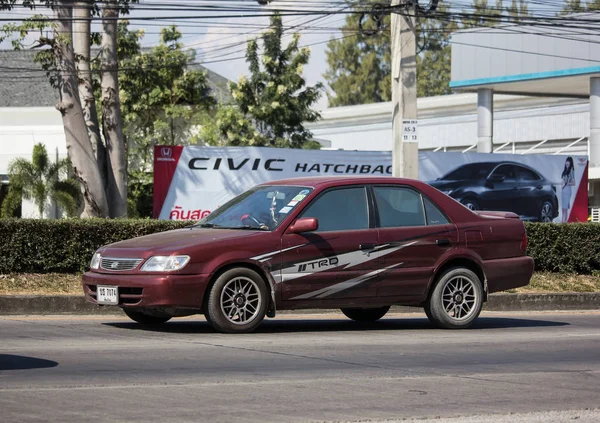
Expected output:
(95, 263)
(165, 263)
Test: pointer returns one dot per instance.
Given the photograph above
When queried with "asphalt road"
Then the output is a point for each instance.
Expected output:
(300, 368)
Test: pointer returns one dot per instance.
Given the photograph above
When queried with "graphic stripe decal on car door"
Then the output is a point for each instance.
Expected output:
(351, 283)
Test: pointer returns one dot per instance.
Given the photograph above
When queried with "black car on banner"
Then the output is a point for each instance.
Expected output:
(502, 186)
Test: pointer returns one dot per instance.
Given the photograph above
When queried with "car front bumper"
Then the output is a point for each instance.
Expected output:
(149, 291)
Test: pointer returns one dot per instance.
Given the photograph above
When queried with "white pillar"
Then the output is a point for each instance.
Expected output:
(485, 120)
(594, 122)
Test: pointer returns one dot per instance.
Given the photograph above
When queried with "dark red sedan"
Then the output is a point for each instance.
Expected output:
(358, 244)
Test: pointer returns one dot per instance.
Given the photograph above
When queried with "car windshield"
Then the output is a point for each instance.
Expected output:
(470, 171)
(261, 208)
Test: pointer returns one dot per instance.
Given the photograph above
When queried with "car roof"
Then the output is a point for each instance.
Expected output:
(318, 181)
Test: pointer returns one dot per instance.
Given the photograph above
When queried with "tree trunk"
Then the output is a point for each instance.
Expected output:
(81, 46)
(79, 146)
(111, 113)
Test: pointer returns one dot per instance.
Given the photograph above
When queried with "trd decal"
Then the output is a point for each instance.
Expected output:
(351, 283)
(319, 264)
(344, 261)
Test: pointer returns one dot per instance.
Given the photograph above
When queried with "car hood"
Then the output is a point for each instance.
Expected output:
(174, 241)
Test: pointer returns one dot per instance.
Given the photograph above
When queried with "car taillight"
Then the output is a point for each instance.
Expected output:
(524, 242)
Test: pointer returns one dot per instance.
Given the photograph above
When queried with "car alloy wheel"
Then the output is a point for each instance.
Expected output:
(456, 299)
(546, 212)
(240, 300)
(237, 301)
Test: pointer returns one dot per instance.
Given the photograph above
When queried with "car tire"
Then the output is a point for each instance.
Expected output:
(146, 319)
(470, 203)
(238, 301)
(456, 299)
(546, 212)
(365, 315)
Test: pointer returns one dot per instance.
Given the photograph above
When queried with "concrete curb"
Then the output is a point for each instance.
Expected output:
(75, 304)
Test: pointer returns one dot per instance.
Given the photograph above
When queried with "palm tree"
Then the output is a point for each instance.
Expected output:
(40, 180)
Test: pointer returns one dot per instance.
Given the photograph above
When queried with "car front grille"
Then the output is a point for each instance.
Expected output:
(119, 264)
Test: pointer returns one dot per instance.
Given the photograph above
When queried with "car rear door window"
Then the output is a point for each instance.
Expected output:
(527, 175)
(341, 209)
(433, 214)
(398, 207)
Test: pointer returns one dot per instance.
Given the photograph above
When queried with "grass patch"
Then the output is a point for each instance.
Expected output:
(40, 284)
(545, 282)
(67, 284)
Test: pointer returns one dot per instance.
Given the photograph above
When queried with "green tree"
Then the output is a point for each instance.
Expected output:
(271, 106)
(40, 180)
(163, 99)
(578, 6)
(517, 10)
(573, 6)
(359, 65)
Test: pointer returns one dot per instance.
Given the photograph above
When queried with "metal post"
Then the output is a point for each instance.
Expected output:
(405, 153)
(594, 142)
(485, 120)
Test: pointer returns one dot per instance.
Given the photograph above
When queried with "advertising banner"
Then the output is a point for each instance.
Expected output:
(190, 182)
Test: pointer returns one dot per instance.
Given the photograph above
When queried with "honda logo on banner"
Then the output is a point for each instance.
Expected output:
(166, 155)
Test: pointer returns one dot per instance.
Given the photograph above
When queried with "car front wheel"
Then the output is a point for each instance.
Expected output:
(365, 314)
(456, 299)
(237, 301)
(146, 319)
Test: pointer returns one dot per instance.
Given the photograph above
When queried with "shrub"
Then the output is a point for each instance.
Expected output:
(67, 245)
(572, 248)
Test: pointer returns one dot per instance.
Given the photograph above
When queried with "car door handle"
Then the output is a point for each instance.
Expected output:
(368, 247)
(444, 242)
(515, 189)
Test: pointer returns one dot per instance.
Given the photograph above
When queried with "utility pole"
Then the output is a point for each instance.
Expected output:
(405, 127)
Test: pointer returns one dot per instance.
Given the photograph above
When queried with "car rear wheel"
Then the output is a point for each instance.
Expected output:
(146, 319)
(456, 299)
(365, 314)
(237, 301)
(546, 212)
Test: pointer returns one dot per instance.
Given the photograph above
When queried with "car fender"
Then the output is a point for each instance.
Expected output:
(458, 253)
(240, 258)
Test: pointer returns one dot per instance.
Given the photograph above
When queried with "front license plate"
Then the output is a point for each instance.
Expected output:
(107, 295)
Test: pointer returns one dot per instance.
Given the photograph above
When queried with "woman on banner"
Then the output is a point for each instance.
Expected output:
(568, 181)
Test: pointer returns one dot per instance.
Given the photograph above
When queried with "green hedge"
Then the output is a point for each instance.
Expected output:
(565, 248)
(66, 246)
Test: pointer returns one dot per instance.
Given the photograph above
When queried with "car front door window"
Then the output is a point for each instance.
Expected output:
(340, 210)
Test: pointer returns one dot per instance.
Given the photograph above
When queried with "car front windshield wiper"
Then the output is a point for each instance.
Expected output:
(250, 228)
(208, 225)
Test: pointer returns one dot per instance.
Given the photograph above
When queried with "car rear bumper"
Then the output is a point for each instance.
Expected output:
(150, 291)
(508, 273)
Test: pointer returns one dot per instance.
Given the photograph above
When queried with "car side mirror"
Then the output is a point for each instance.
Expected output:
(496, 178)
(305, 224)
